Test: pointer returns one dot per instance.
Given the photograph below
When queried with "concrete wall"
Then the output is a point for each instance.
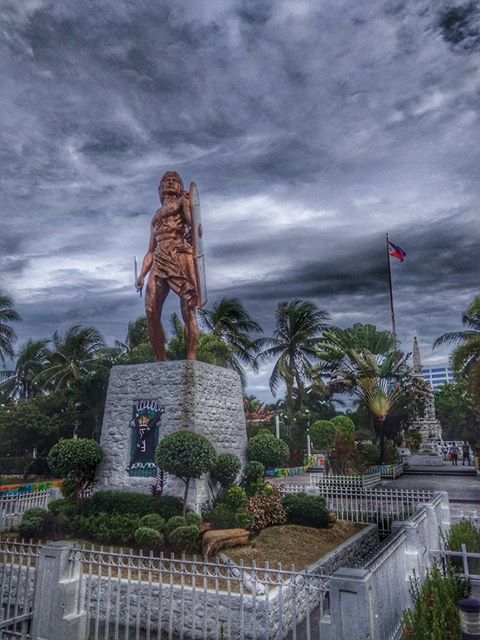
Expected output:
(200, 397)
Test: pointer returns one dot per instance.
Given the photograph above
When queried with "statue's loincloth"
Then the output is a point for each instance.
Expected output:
(176, 266)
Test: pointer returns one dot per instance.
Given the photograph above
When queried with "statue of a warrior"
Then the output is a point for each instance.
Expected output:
(174, 261)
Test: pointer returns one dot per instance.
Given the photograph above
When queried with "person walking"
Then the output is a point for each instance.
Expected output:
(465, 454)
(454, 455)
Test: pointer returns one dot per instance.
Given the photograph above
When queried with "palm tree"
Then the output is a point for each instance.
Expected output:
(31, 359)
(299, 325)
(230, 322)
(74, 355)
(137, 334)
(7, 334)
(177, 346)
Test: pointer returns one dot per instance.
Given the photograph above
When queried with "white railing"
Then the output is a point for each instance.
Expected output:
(381, 506)
(17, 584)
(13, 506)
(365, 480)
(467, 561)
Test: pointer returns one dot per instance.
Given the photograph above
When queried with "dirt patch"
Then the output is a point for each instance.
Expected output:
(293, 544)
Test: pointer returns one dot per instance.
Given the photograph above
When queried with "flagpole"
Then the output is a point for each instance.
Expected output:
(394, 330)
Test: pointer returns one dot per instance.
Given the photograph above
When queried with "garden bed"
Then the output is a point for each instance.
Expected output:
(294, 544)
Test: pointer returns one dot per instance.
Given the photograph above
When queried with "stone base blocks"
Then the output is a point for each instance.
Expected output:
(146, 402)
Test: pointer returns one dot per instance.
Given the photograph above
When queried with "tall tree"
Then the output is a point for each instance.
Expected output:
(466, 355)
(73, 355)
(299, 325)
(229, 321)
(7, 334)
(137, 334)
(31, 359)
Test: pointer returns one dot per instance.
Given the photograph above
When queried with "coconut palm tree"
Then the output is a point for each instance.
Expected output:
(229, 321)
(7, 334)
(137, 334)
(466, 355)
(31, 359)
(299, 325)
(73, 355)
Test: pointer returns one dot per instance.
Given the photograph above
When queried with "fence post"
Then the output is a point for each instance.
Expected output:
(413, 560)
(351, 606)
(58, 594)
(445, 515)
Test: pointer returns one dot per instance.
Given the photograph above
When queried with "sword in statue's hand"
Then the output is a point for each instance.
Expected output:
(137, 287)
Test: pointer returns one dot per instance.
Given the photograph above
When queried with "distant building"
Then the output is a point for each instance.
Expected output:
(437, 376)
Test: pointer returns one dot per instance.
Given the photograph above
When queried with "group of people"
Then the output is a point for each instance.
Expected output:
(453, 451)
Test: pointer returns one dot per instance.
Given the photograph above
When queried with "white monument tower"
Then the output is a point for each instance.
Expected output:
(428, 425)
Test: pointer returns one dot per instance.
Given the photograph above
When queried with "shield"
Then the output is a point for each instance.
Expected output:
(197, 241)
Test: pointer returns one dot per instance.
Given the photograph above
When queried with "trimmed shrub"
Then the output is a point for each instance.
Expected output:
(222, 516)
(186, 538)
(252, 479)
(152, 521)
(76, 460)
(62, 507)
(266, 508)
(323, 434)
(306, 510)
(345, 423)
(243, 519)
(68, 488)
(113, 528)
(193, 518)
(186, 455)
(464, 532)
(174, 523)
(36, 523)
(149, 538)
(135, 503)
(225, 469)
(267, 449)
(236, 498)
(370, 453)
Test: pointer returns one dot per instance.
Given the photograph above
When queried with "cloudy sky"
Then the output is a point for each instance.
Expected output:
(312, 128)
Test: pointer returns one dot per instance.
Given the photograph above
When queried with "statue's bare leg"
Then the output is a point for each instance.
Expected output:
(192, 332)
(157, 291)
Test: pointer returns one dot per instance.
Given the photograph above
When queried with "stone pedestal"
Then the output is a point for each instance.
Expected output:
(146, 402)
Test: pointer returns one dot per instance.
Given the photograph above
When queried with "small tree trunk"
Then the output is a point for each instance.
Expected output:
(184, 510)
(382, 441)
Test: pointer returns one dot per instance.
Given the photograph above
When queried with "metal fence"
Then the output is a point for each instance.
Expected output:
(380, 506)
(389, 471)
(13, 506)
(467, 561)
(363, 481)
(17, 585)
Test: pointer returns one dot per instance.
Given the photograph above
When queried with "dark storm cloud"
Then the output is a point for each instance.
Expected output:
(311, 131)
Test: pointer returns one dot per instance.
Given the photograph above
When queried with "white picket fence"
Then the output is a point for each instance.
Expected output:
(365, 480)
(387, 471)
(468, 561)
(13, 506)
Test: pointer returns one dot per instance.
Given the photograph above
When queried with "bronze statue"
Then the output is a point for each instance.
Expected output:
(174, 260)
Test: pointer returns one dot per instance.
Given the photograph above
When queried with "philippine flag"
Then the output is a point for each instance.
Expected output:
(396, 252)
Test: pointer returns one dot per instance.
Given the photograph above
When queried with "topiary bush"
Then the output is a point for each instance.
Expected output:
(172, 524)
(225, 469)
(266, 509)
(35, 523)
(135, 503)
(148, 537)
(62, 507)
(186, 455)
(152, 521)
(236, 498)
(370, 453)
(345, 423)
(110, 528)
(323, 434)
(464, 532)
(306, 510)
(253, 477)
(186, 538)
(68, 488)
(76, 460)
(267, 449)
(193, 518)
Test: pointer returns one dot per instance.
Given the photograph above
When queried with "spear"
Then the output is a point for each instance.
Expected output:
(136, 275)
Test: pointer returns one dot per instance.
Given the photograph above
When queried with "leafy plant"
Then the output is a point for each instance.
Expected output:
(153, 521)
(76, 460)
(173, 523)
(148, 537)
(306, 510)
(267, 449)
(236, 498)
(323, 434)
(252, 479)
(435, 614)
(186, 538)
(35, 523)
(110, 528)
(225, 469)
(127, 502)
(266, 508)
(186, 455)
